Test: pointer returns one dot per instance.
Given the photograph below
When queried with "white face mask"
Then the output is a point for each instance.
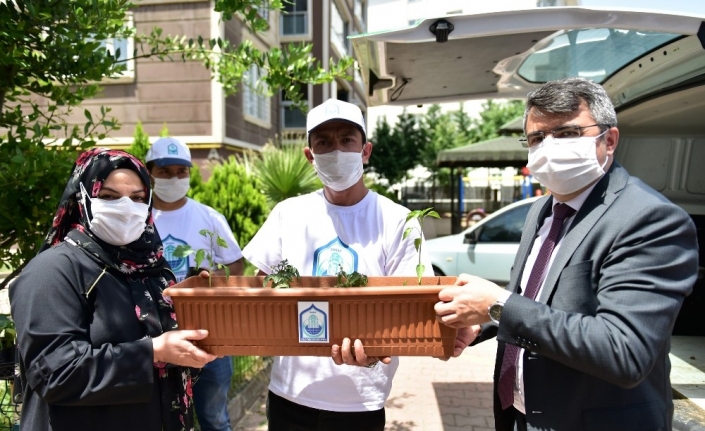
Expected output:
(117, 222)
(338, 170)
(171, 189)
(565, 166)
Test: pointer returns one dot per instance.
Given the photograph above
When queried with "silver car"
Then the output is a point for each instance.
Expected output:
(485, 249)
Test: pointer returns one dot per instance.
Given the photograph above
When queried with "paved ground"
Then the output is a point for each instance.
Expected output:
(429, 395)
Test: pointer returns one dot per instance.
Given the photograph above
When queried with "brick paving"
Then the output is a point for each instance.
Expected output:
(428, 395)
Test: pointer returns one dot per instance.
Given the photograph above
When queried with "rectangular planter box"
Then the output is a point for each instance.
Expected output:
(392, 316)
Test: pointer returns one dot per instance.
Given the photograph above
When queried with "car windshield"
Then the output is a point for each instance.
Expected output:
(593, 53)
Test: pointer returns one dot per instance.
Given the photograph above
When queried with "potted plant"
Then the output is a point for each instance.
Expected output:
(392, 316)
(306, 315)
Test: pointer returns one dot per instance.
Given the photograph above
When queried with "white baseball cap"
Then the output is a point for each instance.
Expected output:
(335, 110)
(169, 151)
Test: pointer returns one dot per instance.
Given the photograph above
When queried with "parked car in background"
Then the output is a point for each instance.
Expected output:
(486, 249)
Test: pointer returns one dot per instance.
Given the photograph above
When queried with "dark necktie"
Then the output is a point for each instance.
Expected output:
(507, 374)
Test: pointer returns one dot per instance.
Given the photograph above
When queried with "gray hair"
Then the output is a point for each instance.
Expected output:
(564, 96)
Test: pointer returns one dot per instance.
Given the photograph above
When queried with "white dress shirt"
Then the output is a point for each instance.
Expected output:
(576, 203)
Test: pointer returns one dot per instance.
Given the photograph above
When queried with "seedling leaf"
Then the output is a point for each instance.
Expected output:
(183, 250)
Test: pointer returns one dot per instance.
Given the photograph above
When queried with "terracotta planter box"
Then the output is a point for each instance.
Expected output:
(392, 316)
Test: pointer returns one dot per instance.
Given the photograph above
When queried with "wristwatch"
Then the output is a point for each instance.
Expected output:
(495, 311)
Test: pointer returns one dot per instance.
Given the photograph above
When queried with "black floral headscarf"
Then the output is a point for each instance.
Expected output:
(146, 271)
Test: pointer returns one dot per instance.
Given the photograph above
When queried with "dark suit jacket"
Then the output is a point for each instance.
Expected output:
(597, 339)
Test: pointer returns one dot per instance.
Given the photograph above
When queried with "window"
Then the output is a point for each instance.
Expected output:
(294, 18)
(263, 10)
(592, 53)
(342, 94)
(123, 48)
(506, 227)
(361, 12)
(255, 105)
(358, 76)
(338, 30)
(292, 117)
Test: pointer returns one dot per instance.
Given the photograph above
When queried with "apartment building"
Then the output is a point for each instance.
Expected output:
(326, 24)
(194, 107)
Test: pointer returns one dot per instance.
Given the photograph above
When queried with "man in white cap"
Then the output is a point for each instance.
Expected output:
(179, 220)
(343, 226)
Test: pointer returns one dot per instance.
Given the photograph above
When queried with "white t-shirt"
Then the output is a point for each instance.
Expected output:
(182, 226)
(318, 237)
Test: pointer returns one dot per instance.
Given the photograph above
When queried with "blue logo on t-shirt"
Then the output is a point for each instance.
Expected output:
(332, 257)
(179, 265)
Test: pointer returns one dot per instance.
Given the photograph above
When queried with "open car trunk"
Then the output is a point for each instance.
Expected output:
(652, 65)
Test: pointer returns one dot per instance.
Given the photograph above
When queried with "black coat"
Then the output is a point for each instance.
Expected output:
(84, 355)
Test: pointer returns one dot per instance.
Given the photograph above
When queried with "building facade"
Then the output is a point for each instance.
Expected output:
(326, 24)
(194, 107)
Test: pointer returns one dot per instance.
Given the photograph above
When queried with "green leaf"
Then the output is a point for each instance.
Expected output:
(407, 231)
(182, 250)
(88, 115)
(420, 269)
(412, 215)
(200, 256)
(221, 242)
(429, 212)
(226, 268)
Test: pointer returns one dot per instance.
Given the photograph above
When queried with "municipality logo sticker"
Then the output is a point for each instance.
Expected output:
(313, 322)
(332, 110)
(172, 149)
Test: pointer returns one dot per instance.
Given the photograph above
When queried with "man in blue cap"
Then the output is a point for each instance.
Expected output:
(179, 220)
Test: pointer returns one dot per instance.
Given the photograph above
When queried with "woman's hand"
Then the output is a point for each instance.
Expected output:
(175, 347)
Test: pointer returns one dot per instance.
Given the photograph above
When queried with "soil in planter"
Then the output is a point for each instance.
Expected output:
(392, 316)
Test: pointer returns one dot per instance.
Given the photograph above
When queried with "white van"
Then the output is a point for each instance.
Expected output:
(652, 64)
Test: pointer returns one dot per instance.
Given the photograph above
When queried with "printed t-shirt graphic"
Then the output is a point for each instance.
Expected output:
(179, 265)
(332, 257)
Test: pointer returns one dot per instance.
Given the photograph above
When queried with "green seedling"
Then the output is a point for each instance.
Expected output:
(419, 215)
(282, 275)
(202, 254)
(355, 279)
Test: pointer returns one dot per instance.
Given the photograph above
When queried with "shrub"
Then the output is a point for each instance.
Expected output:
(232, 191)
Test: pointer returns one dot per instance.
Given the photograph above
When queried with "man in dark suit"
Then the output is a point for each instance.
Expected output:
(584, 325)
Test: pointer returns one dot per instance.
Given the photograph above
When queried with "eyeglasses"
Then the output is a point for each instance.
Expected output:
(565, 132)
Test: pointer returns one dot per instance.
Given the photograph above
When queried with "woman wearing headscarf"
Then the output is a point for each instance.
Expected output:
(98, 342)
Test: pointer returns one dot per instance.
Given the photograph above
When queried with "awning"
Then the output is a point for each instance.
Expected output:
(499, 152)
(513, 126)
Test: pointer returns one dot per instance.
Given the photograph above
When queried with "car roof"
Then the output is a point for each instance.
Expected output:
(527, 201)
(506, 54)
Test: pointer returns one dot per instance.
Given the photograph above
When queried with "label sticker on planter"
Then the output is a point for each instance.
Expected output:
(313, 322)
